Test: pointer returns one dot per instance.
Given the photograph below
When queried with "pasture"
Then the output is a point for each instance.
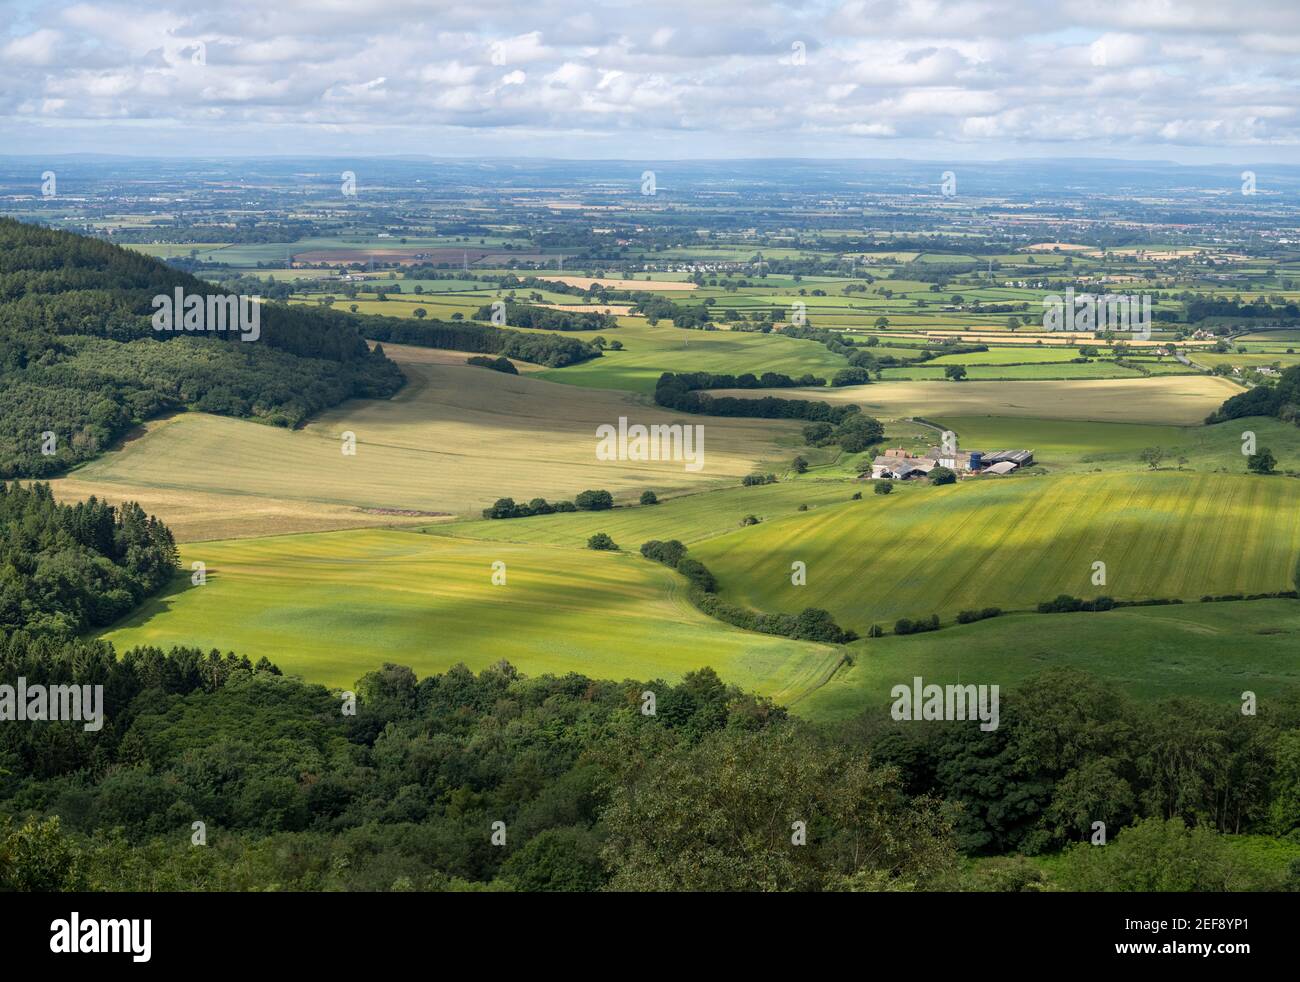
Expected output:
(1115, 446)
(689, 517)
(1013, 542)
(331, 607)
(1214, 651)
(648, 352)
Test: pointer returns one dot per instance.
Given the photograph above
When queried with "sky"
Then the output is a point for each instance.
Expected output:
(1185, 80)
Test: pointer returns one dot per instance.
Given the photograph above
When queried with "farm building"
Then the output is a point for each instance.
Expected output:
(958, 460)
(901, 465)
(1020, 458)
(1002, 467)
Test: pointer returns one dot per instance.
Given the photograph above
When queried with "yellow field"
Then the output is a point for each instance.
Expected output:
(453, 440)
(1173, 399)
(586, 282)
(196, 516)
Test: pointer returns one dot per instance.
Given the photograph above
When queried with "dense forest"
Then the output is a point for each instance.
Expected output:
(79, 358)
(582, 789)
(67, 568)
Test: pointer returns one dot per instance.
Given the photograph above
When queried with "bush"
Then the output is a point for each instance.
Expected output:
(857, 433)
(602, 542)
(884, 487)
(942, 475)
(905, 625)
(508, 508)
(669, 553)
(815, 433)
(970, 616)
(749, 480)
(1066, 604)
(496, 364)
(875, 631)
(594, 501)
(649, 498)
(851, 376)
(799, 465)
(698, 574)
(750, 520)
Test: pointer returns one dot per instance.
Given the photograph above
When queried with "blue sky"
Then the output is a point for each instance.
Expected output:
(957, 79)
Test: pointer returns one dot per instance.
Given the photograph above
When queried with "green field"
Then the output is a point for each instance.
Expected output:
(1115, 446)
(690, 518)
(651, 351)
(1215, 651)
(330, 607)
(1016, 541)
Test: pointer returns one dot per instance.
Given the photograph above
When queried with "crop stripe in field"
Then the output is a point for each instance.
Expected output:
(1043, 516)
(1203, 539)
(987, 529)
(1110, 546)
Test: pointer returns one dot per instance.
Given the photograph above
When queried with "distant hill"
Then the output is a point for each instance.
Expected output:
(79, 357)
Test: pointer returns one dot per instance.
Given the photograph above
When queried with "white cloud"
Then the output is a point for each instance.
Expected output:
(1185, 73)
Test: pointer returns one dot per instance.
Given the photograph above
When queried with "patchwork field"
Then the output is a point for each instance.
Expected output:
(1014, 542)
(331, 607)
(1176, 399)
(453, 440)
(650, 351)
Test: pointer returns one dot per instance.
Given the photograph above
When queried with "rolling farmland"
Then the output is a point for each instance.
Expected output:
(453, 440)
(1209, 650)
(1013, 543)
(332, 606)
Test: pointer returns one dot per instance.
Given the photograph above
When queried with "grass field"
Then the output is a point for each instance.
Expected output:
(331, 607)
(651, 351)
(1013, 542)
(1115, 446)
(690, 518)
(453, 440)
(1177, 399)
(1215, 651)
